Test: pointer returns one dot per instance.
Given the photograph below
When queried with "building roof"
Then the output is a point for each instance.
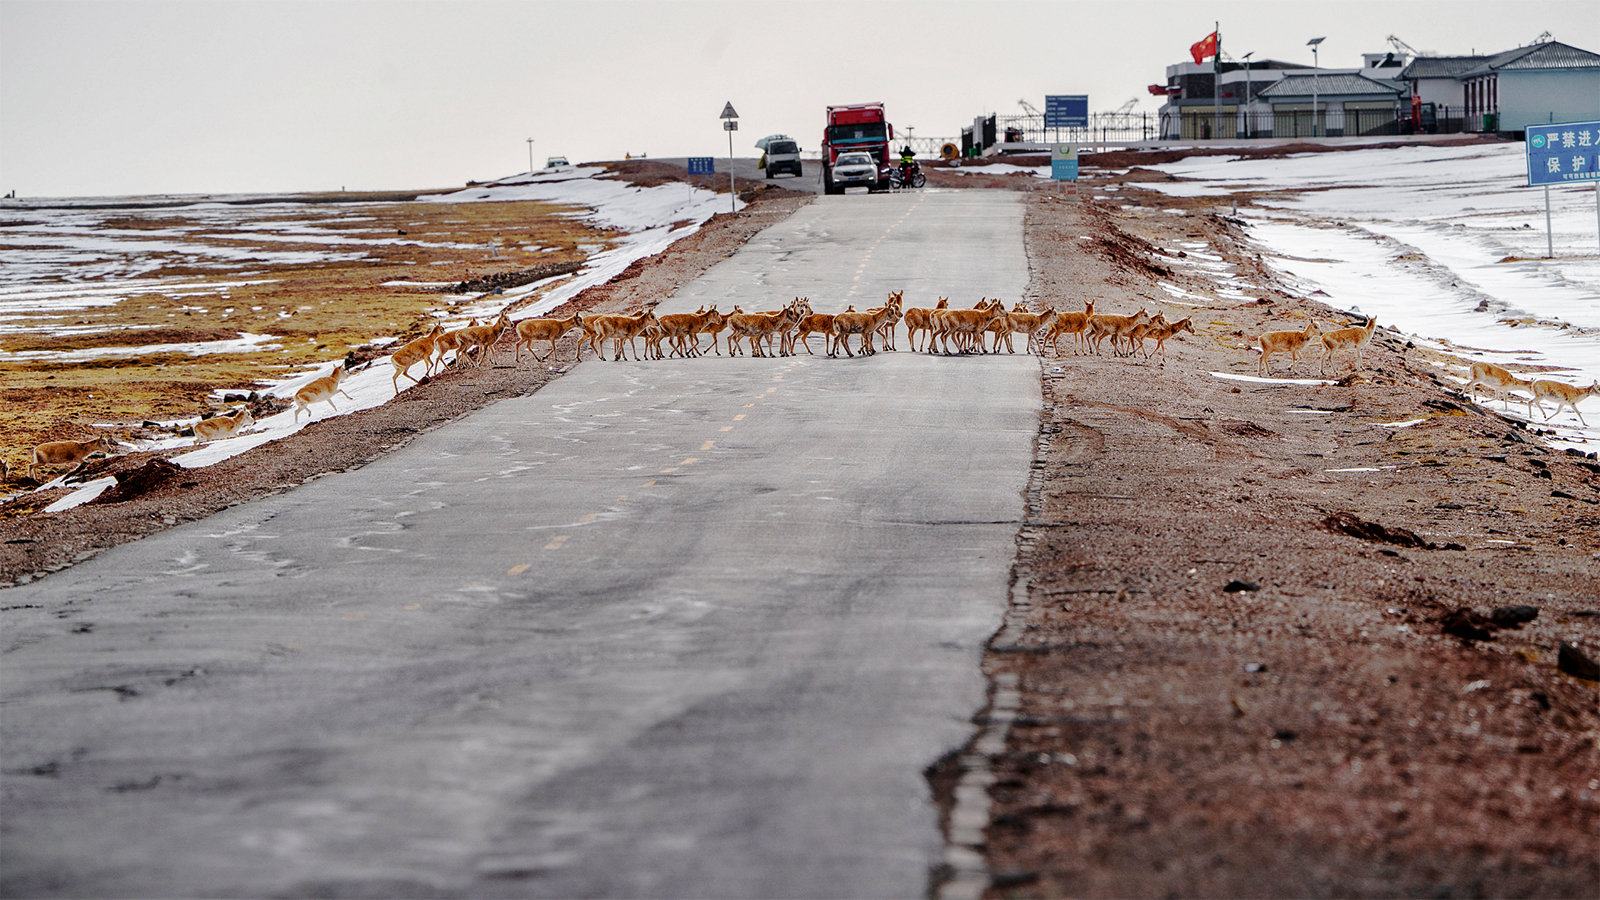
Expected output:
(1440, 66)
(1333, 84)
(1548, 55)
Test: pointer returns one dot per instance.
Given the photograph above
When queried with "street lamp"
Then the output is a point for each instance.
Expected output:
(530, 156)
(1314, 83)
(730, 124)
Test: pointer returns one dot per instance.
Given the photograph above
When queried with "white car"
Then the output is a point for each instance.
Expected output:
(855, 170)
(556, 162)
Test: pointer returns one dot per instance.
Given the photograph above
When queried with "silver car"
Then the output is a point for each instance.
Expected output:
(855, 170)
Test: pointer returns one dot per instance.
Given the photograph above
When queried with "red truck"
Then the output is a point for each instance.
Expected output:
(858, 128)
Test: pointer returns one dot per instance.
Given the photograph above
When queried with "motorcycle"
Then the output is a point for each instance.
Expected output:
(907, 176)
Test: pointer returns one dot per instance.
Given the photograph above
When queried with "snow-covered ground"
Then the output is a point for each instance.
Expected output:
(1444, 243)
(649, 219)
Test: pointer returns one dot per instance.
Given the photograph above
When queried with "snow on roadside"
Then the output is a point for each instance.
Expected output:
(1443, 243)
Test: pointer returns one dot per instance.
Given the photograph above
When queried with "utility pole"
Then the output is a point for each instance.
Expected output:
(530, 156)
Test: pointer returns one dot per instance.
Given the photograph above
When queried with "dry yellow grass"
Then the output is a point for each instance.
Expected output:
(315, 311)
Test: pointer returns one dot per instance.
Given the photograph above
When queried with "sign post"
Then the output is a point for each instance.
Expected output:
(1064, 166)
(730, 124)
(1563, 154)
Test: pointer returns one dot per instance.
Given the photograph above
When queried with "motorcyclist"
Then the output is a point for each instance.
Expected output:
(907, 159)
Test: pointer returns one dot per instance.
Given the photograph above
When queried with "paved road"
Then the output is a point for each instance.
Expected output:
(678, 628)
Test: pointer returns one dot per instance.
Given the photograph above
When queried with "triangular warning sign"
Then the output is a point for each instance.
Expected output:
(728, 113)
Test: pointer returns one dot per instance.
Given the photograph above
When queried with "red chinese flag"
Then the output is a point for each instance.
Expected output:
(1207, 47)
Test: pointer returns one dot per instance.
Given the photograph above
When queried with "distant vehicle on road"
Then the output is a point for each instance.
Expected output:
(783, 156)
(860, 128)
(853, 170)
(556, 162)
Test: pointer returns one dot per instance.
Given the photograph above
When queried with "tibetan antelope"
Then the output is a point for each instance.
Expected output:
(817, 323)
(1072, 323)
(55, 453)
(1564, 395)
(1026, 323)
(481, 338)
(1347, 339)
(965, 325)
(415, 351)
(920, 319)
(320, 390)
(1100, 327)
(1289, 342)
(1497, 380)
(552, 330)
(1167, 331)
(217, 428)
(683, 330)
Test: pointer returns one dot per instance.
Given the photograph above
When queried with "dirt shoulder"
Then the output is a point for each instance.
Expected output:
(1225, 693)
(33, 545)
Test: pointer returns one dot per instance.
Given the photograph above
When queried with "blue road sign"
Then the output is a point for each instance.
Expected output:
(1066, 111)
(701, 165)
(1563, 154)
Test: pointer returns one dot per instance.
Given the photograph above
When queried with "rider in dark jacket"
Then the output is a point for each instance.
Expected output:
(907, 157)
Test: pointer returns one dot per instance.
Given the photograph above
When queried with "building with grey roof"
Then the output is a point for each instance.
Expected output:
(1535, 85)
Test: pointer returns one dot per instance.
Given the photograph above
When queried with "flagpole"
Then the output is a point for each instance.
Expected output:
(1216, 83)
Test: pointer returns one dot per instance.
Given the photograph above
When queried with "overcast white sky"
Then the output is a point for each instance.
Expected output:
(132, 97)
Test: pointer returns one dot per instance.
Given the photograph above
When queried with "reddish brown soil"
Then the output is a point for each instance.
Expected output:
(1318, 733)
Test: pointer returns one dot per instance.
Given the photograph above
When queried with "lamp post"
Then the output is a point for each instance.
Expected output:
(1245, 107)
(1314, 83)
(530, 156)
(730, 124)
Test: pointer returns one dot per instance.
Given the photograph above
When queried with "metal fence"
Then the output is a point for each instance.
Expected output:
(1202, 123)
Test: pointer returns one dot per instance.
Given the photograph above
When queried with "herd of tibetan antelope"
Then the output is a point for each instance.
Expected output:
(939, 329)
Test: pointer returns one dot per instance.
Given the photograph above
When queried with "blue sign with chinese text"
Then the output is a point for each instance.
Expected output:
(1563, 154)
(1066, 111)
(701, 165)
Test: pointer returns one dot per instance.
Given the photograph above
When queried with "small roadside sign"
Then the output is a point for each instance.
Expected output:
(1563, 154)
(701, 165)
(1064, 162)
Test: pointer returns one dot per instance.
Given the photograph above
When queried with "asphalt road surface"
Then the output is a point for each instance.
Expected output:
(687, 628)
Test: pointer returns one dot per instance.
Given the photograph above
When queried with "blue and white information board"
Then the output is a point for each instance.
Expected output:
(1066, 111)
(702, 165)
(1064, 162)
(1563, 154)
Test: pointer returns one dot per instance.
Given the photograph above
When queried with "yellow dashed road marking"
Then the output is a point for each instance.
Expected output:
(648, 484)
(738, 417)
(669, 471)
(707, 445)
(726, 428)
(690, 460)
(518, 569)
(353, 616)
(556, 542)
(413, 606)
(589, 518)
